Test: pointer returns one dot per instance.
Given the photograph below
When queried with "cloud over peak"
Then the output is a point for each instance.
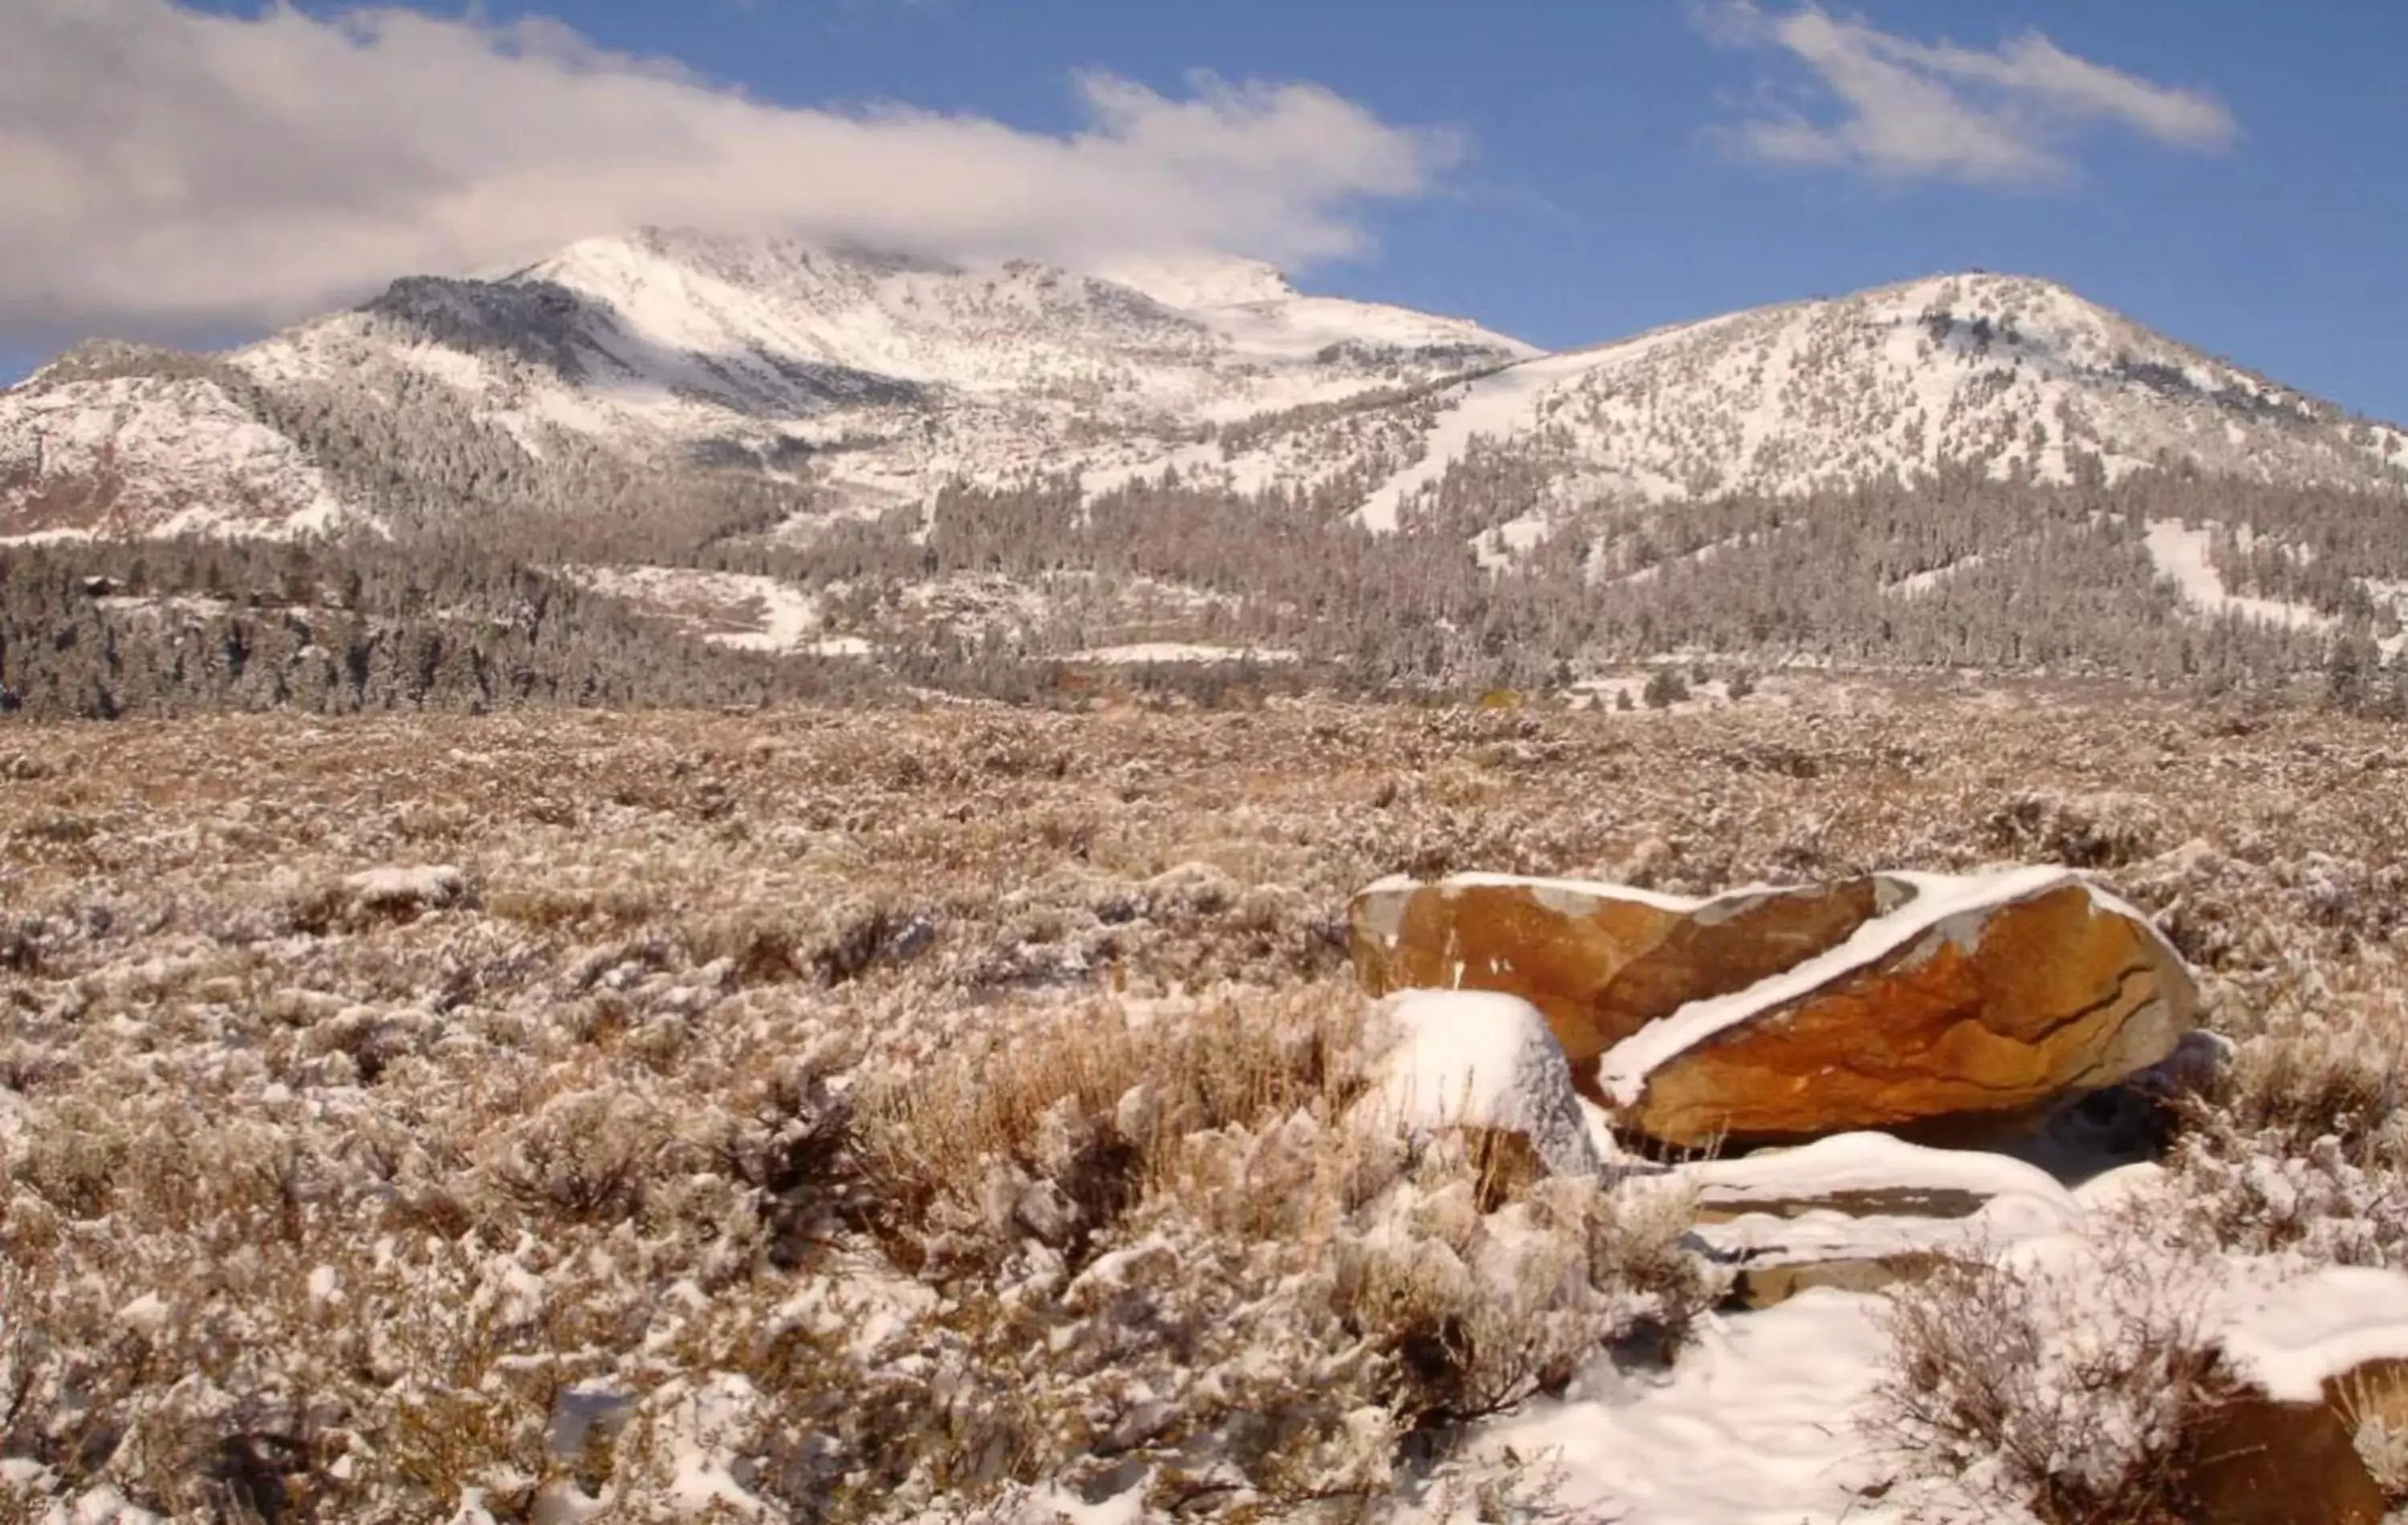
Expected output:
(1921, 110)
(171, 168)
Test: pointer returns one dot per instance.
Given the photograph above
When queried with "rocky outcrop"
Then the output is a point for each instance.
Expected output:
(2253, 1460)
(2321, 1361)
(1894, 1001)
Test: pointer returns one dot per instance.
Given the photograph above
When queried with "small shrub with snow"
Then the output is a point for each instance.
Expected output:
(2088, 830)
(2070, 1392)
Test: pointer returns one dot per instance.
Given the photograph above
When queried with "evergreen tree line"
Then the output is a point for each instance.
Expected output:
(473, 610)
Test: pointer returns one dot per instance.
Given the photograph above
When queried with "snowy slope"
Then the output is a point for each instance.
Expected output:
(881, 378)
(117, 440)
(905, 372)
(2011, 373)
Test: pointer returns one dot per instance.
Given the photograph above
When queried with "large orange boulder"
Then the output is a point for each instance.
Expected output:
(1600, 961)
(1780, 1015)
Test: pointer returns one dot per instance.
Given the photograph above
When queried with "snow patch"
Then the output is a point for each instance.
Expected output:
(1750, 1427)
(1143, 653)
(2181, 553)
(739, 610)
(1475, 1059)
(1917, 583)
(2291, 1338)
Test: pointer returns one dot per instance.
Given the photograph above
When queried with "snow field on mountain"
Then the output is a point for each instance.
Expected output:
(1492, 404)
(925, 372)
(2181, 551)
(177, 456)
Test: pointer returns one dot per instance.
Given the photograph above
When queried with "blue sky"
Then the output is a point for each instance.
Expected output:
(2241, 188)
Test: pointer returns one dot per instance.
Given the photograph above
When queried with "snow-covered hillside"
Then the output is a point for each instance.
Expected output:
(2017, 375)
(895, 374)
(118, 440)
(879, 379)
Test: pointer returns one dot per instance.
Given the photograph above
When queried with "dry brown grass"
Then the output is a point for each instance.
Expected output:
(1101, 1104)
(951, 1008)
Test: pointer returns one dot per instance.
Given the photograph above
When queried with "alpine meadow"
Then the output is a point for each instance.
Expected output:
(740, 782)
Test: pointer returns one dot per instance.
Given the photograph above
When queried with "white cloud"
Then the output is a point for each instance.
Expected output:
(171, 169)
(1914, 110)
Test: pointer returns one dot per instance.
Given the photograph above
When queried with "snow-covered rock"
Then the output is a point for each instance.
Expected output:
(1482, 1061)
(1863, 1210)
(1968, 996)
(398, 891)
(2298, 1338)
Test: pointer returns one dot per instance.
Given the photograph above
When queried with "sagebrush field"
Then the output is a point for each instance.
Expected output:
(937, 1112)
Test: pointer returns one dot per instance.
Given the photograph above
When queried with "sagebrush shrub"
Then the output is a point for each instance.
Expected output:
(2071, 1392)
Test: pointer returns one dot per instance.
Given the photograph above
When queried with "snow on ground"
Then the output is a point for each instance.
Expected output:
(770, 615)
(1142, 653)
(196, 608)
(1764, 1419)
(2292, 1337)
(424, 884)
(1607, 690)
(1577, 893)
(1496, 548)
(2392, 595)
(753, 612)
(1757, 1423)
(1917, 583)
(1752, 1426)
(1492, 404)
(1647, 574)
(2181, 553)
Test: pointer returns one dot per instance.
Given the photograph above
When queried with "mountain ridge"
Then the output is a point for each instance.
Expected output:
(871, 379)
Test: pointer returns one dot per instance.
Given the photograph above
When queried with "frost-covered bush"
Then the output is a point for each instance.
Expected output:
(2095, 830)
(2255, 1195)
(2071, 1392)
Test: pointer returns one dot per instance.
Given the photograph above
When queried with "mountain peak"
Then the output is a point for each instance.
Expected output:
(1200, 281)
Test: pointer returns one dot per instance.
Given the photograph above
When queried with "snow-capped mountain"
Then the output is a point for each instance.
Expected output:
(880, 377)
(2013, 374)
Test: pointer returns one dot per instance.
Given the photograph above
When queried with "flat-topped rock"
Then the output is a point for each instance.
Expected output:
(1986, 995)
(1858, 1212)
